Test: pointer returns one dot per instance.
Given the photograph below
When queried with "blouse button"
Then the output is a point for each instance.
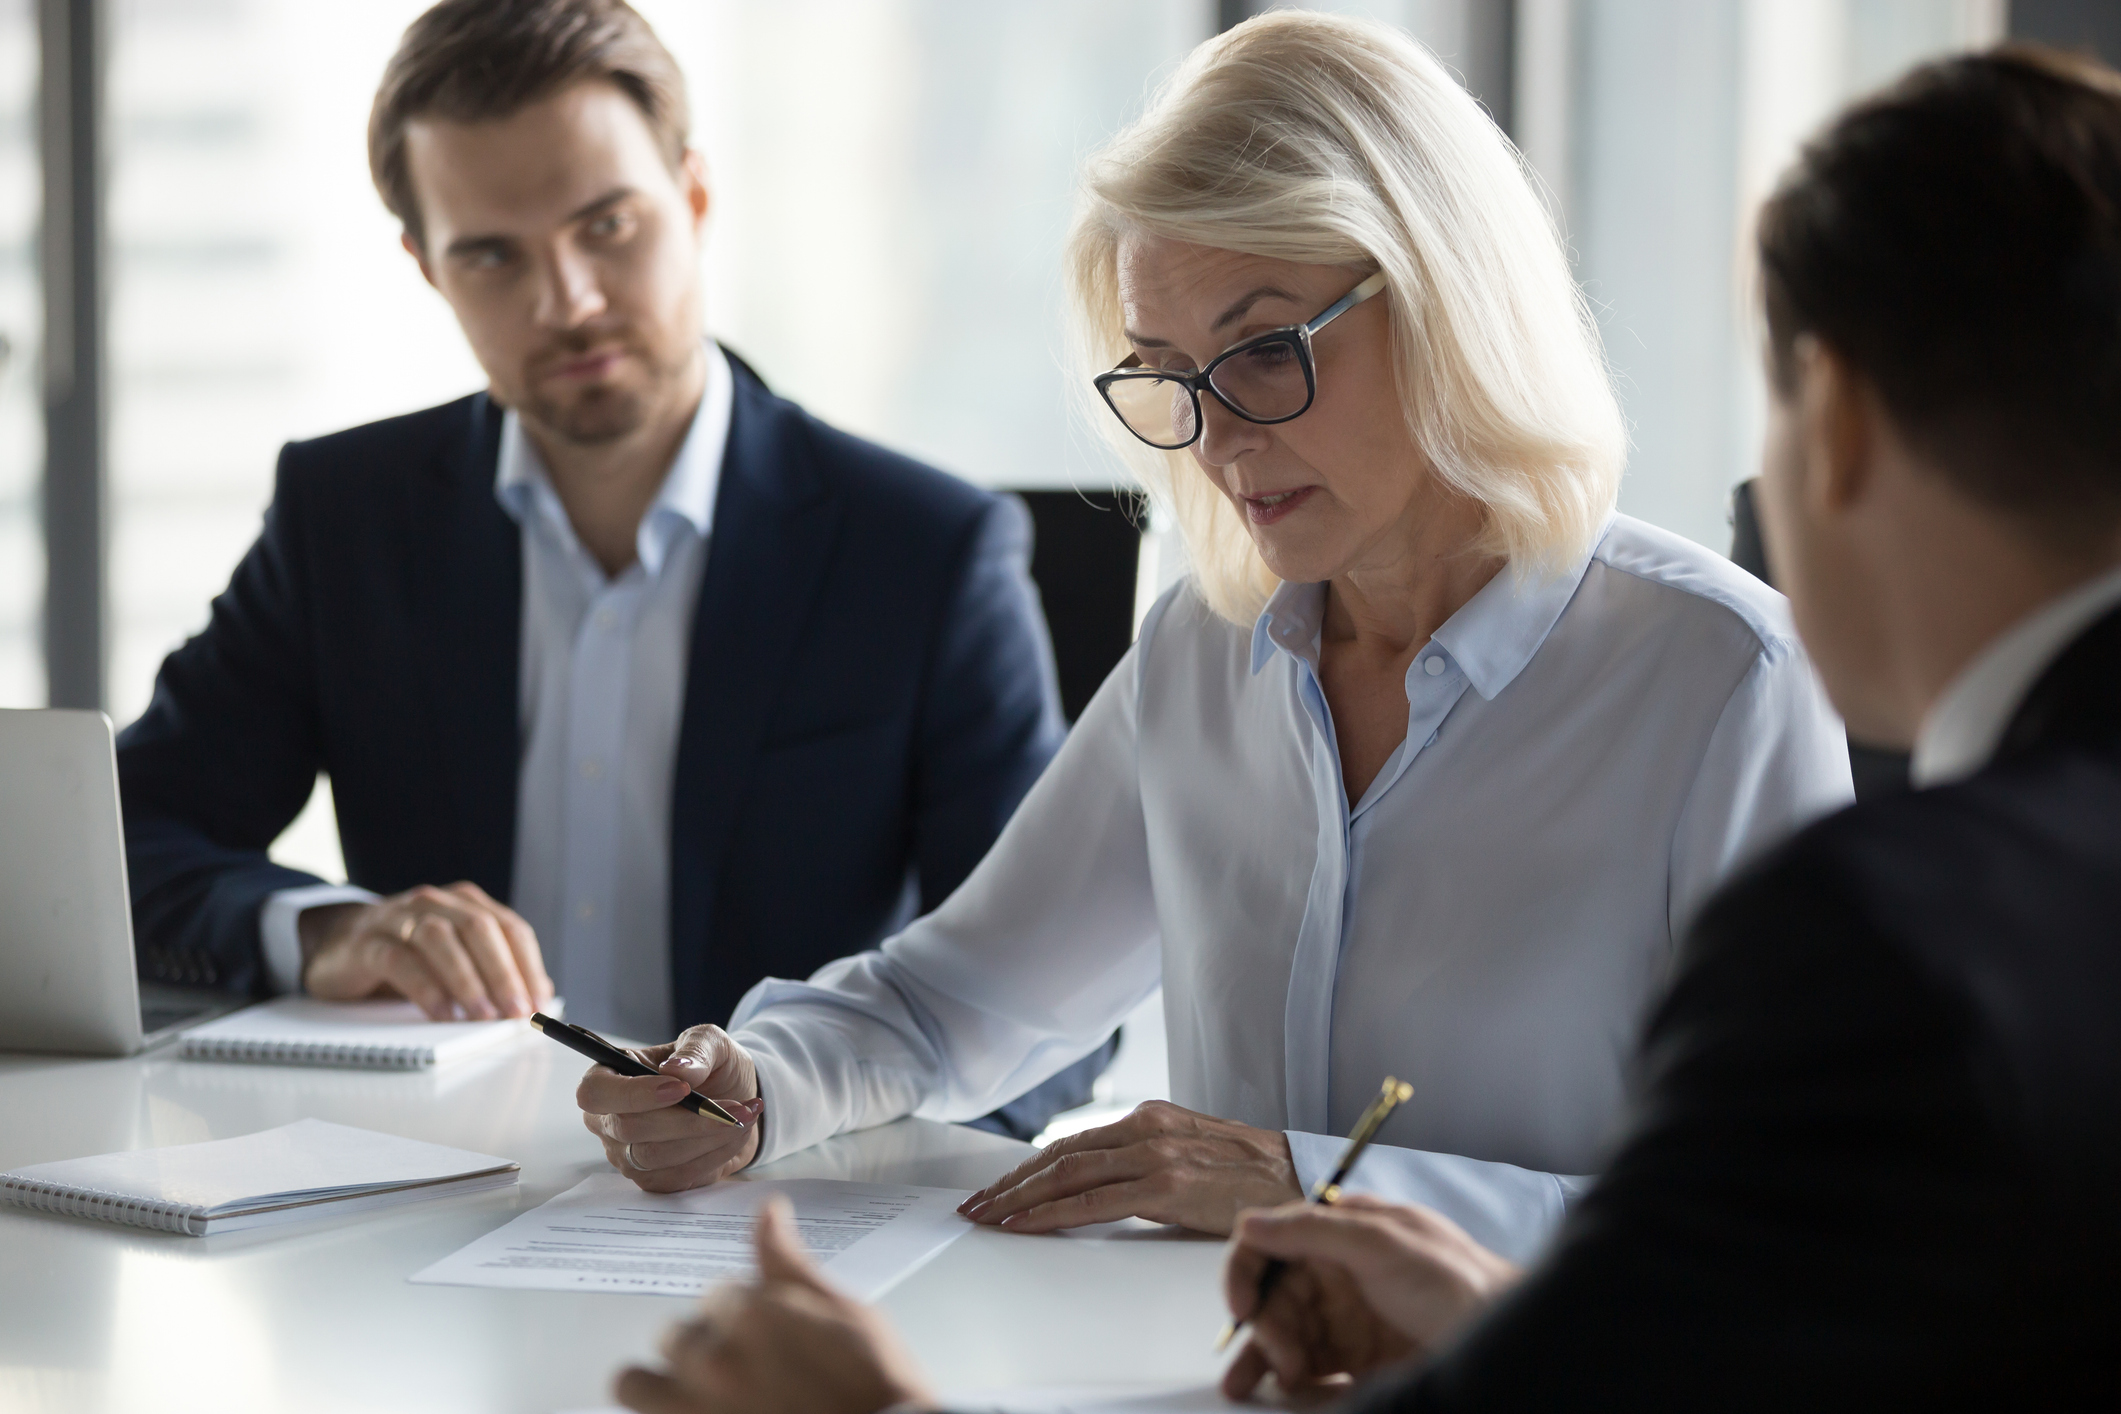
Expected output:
(1432, 665)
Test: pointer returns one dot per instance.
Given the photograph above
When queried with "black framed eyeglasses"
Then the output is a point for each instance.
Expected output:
(1267, 379)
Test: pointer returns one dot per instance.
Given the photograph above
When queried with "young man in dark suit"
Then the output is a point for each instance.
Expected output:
(1879, 1137)
(630, 676)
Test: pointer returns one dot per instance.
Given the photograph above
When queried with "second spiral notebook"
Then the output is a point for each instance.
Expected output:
(364, 1035)
(307, 1170)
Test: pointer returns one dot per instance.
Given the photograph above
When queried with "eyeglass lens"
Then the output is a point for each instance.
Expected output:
(1264, 382)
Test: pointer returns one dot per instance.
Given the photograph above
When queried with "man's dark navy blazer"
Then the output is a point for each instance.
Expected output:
(870, 693)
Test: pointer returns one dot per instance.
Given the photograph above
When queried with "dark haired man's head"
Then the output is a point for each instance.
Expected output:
(535, 151)
(1957, 239)
(1942, 279)
(478, 61)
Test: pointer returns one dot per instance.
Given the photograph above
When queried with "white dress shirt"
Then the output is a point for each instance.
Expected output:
(601, 693)
(1586, 756)
(1966, 724)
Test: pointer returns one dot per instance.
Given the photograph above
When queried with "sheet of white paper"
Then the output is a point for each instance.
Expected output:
(604, 1234)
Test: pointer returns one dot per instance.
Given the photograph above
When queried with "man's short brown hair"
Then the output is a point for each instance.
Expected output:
(1957, 239)
(476, 61)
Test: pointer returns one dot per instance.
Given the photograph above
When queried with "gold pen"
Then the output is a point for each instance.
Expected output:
(1390, 1097)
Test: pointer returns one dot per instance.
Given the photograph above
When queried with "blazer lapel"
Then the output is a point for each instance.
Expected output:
(775, 524)
(467, 624)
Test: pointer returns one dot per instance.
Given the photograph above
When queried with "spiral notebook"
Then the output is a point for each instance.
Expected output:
(371, 1035)
(305, 1171)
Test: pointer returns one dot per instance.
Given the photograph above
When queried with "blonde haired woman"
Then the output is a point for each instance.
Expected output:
(1419, 773)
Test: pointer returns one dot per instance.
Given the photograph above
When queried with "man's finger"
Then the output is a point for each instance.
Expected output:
(1360, 1241)
(435, 939)
(522, 940)
(483, 939)
(647, 1392)
(1242, 1266)
(781, 1255)
(403, 968)
(1245, 1372)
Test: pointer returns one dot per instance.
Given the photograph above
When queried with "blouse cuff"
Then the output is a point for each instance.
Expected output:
(1511, 1211)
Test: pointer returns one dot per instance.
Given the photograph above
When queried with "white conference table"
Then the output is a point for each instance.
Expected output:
(98, 1317)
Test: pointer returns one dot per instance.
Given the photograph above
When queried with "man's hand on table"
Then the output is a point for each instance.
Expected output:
(1162, 1163)
(785, 1341)
(648, 1138)
(454, 951)
(1368, 1283)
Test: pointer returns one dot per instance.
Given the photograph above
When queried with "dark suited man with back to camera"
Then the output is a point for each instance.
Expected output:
(631, 678)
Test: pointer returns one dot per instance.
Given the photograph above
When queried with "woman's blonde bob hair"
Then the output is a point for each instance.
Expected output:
(1329, 141)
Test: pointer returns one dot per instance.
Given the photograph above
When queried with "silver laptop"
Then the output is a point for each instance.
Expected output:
(68, 979)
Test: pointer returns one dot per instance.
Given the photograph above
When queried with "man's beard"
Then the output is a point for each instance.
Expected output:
(597, 417)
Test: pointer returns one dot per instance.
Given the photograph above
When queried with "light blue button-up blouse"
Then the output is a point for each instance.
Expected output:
(1586, 756)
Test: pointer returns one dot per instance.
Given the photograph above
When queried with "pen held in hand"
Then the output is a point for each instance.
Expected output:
(1389, 1097)
(584, 1042)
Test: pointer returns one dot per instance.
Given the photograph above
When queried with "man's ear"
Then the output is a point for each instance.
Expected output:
(692, 176)
(412, 248)
(1837, 417)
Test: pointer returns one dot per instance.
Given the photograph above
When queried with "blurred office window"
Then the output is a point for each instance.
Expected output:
(1658, 126)
(892, 182)
(893, 186)
(21, 321)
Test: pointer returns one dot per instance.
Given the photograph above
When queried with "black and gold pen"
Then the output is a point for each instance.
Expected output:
(583, 1041)
(1388, 1099)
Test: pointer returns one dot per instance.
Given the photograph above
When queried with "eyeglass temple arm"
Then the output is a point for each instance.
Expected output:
(1347, 302)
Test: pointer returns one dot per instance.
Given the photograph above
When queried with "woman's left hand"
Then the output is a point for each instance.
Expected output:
(1162, 1163)
(787, 1341)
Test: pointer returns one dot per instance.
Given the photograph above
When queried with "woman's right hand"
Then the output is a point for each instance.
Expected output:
(1368, 1284)
(650, 1138)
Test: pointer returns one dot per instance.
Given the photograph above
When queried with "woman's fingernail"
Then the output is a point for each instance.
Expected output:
(672, 1089)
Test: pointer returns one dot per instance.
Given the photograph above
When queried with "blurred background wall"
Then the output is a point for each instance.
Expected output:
(892, 183)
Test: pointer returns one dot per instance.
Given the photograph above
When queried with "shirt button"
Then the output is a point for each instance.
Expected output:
(1432, 665)
(592, 768)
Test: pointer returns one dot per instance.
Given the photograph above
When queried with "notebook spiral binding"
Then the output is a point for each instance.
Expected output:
(308, 1053)
(75, 1202)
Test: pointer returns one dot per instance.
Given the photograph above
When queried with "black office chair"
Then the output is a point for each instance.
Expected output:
(1877, 771)
(1084, 559)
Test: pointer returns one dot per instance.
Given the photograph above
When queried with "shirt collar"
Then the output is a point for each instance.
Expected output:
(1964, 727)
(1491, 638)
(685, 500)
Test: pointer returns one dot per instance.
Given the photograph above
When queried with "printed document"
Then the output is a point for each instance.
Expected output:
(604, 1234)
